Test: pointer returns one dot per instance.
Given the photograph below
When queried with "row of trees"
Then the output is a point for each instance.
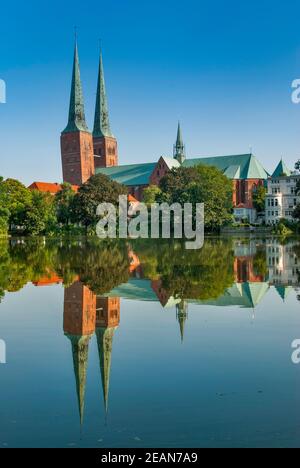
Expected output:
(103, 265)
(31, 212)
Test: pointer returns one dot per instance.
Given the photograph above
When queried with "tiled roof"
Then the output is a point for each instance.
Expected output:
(131, 174)
(132, 199)
(242, 166)
(49, 187)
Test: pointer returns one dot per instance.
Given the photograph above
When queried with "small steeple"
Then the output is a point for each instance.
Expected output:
(179, 148)
(281, 169)
(76, 120)
(101, 122)
(182, 314)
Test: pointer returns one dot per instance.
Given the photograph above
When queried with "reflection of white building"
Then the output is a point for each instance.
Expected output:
(281, 197)
(244, 249)
(283, 263)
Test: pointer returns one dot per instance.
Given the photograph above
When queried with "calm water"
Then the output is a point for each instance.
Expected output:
(146, 344)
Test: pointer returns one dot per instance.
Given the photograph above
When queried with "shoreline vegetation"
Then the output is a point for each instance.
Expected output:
(25, 212)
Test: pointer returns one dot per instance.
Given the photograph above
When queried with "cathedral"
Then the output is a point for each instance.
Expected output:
(84, 153)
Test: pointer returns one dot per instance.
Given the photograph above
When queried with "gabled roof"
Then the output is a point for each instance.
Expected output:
(130, 174)
(281, 170)
(242, 166)
(171, 162)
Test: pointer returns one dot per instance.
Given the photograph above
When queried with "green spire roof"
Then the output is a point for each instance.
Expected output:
(181, 312)
(179, 150)
(80, 349)
(101, 122)
(179, 141)
(105, 342)
(281, 170)
(76, 120)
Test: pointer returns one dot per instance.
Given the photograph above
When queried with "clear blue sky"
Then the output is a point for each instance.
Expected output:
(224, 68)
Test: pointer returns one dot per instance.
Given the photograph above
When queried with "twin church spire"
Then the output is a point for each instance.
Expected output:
(82, 152)
(77, 120)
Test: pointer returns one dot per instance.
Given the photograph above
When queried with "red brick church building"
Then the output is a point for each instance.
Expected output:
(84, 153)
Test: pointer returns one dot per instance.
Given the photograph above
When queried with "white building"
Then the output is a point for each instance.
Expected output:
(281, 197)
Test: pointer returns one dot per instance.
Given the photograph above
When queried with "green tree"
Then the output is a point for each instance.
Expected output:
(98, 189)
(259, 198)
(200, 184)
(4, 219)
(15, 197)
(39, 217)
(64, 204)
(150, 194)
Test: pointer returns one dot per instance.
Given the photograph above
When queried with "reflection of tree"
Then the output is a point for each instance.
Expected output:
(296, 250)
(103, 265)
(21, 262)
(100, 265)
(195, 274)
(260, 262)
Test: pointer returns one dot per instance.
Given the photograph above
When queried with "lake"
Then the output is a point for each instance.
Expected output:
(146, 344)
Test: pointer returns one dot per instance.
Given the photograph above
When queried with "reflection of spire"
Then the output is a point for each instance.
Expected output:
(79, 325)
(105, 342)
(253, 315)
(80, 350)
(283, 291)
(182, 314)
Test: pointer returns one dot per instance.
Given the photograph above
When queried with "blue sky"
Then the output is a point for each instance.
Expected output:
(224, 68)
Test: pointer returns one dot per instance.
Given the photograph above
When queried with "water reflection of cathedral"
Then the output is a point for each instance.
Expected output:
(256, 267)
(84, 315)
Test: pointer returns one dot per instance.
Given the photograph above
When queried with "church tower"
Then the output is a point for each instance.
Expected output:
(107, 321)
(179, 148)
(105, 144)
(76, 141)
(79, 326)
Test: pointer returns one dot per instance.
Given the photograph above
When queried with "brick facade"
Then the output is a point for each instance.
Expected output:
(77, 155)
(105, 151)
(79, 310)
